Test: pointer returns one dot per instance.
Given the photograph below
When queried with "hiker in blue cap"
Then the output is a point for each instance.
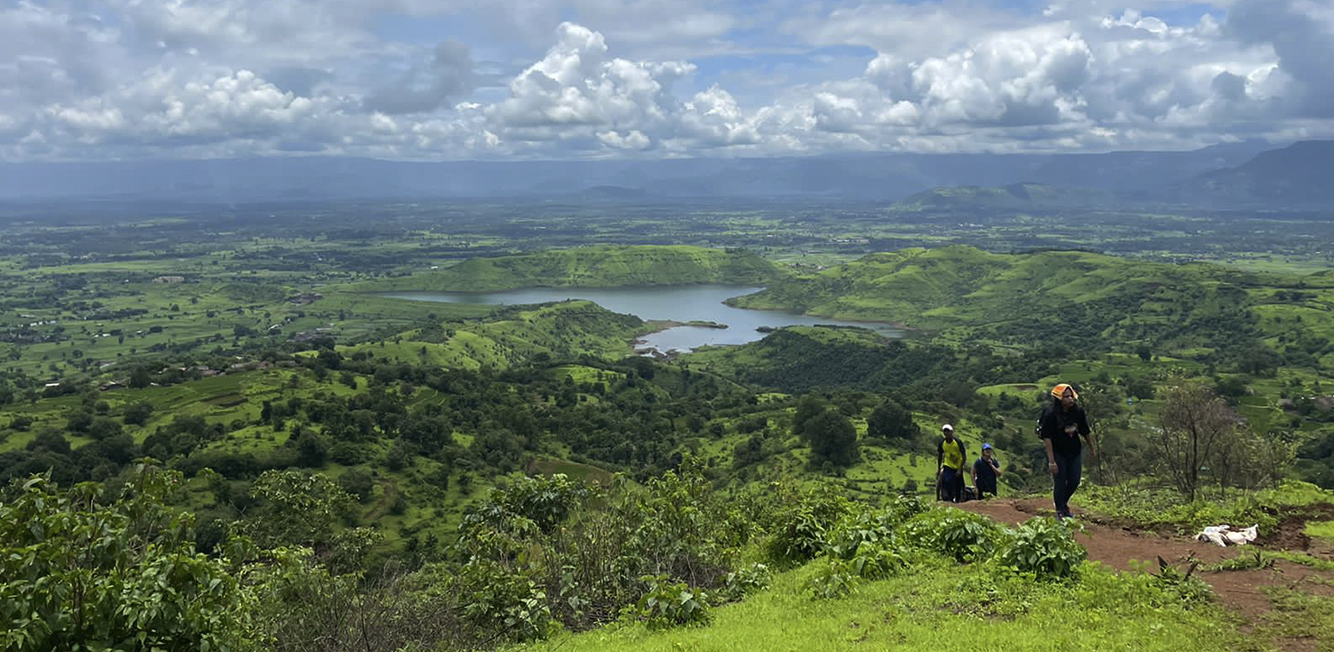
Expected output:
(985, 471)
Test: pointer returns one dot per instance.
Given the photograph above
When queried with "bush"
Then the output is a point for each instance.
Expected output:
(831, 580)
(497, 598)
(671, 604)
(744, 581)
(78, 571)
(1045, 548)
(358, 482)
(962, 536)
(802, 532)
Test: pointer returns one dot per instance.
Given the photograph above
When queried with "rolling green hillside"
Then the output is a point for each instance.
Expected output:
(1077, 299)
(603, 266)
(568, 329)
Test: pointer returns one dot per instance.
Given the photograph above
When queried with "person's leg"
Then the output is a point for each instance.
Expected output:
(1068, 471)
(1073, 475)
(1060, 482)
(985, 488)
(947, 483)
(1058, 486)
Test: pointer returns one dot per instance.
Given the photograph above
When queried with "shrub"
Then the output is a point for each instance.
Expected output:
(802, 532)
(671, 604)
(963, 536)
(1045, 548)
(78, 571)
(744, 581)
(834, 579)
(498, 598)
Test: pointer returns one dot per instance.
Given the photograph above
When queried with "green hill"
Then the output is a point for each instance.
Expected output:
(602, 266)
(568, 329)
(1076, 299)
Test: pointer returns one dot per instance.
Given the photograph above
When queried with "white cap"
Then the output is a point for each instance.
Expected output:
(947, 427)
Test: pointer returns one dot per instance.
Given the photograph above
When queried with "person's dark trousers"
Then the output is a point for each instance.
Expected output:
(984, 488)
(1066, 480)
(951, 484)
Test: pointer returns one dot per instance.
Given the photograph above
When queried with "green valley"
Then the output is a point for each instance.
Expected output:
(387, 474)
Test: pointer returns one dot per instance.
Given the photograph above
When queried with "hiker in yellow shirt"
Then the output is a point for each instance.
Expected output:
(949, 465)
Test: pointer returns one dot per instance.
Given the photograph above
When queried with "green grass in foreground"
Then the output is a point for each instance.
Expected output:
(942, 606)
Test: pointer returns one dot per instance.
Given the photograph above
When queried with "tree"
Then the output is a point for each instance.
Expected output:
(1195, 424)
(295, 508)
(103, 428)
(137, 414)
(358, 482)
(832, 439)
(311, 448)
(79, 420)
(808, 408)
(891, 421)
(140, 378)
(78, 572)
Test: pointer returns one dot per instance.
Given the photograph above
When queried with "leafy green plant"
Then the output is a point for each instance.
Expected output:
(1249, 560)
(500, 599)
(877, 561)
(744, 581)
(962, 536)
(671, 604)
(80, 572)
(802, 532)
(1183, 583)
(834, 579)
(1044, 547)
(539, 502)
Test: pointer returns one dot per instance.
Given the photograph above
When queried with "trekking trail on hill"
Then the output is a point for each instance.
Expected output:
(1241, 591)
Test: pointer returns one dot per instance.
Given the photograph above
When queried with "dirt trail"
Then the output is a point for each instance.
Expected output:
(1117, 547)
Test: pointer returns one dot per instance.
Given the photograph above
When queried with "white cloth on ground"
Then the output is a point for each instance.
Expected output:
(1224, 535)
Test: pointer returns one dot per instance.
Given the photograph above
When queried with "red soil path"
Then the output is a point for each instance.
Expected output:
(1239, 590)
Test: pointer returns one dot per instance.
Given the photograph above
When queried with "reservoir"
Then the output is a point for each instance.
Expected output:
(680, 303)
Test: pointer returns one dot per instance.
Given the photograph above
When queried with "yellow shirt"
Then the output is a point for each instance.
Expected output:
(953, 453)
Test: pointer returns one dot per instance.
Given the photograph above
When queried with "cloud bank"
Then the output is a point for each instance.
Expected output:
(464, 79)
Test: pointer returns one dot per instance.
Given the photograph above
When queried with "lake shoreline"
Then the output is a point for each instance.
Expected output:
(677, 318)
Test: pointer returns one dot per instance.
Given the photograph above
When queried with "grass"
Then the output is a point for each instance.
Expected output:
(1164, 509)
(1299, 616)
(969, 607)
(1320, 530)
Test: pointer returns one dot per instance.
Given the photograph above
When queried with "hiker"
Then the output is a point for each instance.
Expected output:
(949, 465)
(985, 471)
(1063, 423)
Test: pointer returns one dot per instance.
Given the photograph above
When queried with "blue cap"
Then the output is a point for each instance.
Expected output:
(986, 447)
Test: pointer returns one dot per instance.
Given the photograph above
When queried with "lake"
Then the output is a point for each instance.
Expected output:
(679, 303)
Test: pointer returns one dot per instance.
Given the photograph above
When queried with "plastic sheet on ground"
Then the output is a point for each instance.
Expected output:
(1224, 535)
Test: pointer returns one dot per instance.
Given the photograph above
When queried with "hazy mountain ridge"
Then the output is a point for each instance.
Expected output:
(1295, 176)
(871, 177)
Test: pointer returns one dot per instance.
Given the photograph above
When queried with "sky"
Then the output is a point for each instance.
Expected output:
(540, 79)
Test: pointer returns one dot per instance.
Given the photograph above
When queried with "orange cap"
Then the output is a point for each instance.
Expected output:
(1059, 390)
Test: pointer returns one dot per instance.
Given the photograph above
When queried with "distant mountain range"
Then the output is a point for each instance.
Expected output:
(1248, 173)
(1298, 176)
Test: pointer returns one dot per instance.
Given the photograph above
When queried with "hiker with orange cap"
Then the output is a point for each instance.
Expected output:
(1062, 425)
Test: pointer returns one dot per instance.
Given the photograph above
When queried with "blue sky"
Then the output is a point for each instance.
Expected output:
(497, 79)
